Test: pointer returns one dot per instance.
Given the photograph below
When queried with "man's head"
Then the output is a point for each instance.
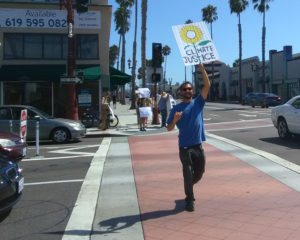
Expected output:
(186, 90)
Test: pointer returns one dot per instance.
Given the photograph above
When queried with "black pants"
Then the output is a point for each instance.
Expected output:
(193, 167)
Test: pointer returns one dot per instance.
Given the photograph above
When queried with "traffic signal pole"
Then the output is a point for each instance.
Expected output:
(155, 117)
(72, 106)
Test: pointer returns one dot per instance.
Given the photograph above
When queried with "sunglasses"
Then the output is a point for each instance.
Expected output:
(186, 89)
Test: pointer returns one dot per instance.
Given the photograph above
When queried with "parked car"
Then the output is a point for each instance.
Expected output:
(11, 185)
(286, 118)
(265, 100)
(59, 130)
(247, 98)
(12, 146)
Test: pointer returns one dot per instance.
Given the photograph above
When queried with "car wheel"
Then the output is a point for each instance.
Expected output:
(283, 130)
(59, 135)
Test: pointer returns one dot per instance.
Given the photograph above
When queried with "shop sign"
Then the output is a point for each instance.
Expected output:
(45, 18)
(84, 98)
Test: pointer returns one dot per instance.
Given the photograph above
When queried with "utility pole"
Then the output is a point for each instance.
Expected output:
(71, 104)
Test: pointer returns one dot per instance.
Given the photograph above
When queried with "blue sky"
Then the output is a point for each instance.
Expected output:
(282, 23)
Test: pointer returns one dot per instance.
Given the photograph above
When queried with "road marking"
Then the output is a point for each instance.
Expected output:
(65, 146)
(55, 158)
(206, 119)
(82, 217)
(240, 120)
(264, 154)
(247, 115)
(53, 182)
(238, 128)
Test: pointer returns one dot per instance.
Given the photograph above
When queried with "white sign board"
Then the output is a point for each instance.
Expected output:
(45, 18)
(144, 93)
(23, 125)
(195, 43)
(145, 112)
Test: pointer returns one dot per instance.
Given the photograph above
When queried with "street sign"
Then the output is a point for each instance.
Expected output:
(67, 79)
(23, 125)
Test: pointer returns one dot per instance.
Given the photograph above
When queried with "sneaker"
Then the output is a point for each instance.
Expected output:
(141, 129)
(189, 206)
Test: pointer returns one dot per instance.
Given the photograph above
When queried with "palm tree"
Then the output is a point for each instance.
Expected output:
(209, 15)
(113, 54)
(143, 40)
(166, 50)
(133, 106)
(262, 6)
(122, 15)
(238, 6)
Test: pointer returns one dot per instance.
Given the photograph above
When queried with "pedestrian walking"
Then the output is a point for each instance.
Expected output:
(104, 112)
(162, 107)
(114, 99)
(188, 117)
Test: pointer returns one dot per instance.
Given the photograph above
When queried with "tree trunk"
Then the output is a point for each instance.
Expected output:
(133, 106)
(143, 40)
(123, 66)
(263, 54)
(119, 51)
(240, 59)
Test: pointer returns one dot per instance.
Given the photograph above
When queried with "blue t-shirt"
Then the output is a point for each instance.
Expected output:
(190, 125)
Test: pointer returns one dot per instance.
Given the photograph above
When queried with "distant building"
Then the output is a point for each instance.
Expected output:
(282, 76)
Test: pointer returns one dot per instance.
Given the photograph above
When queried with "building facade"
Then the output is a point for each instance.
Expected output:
(34, 49)
(282, 76)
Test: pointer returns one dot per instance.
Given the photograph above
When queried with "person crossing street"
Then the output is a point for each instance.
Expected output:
(188, 117)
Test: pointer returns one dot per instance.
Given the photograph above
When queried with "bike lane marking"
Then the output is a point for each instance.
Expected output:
(81, 220)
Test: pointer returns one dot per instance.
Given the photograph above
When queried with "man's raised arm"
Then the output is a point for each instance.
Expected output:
(206, 82)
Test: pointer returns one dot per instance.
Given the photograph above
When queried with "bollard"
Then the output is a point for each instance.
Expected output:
(37, 136)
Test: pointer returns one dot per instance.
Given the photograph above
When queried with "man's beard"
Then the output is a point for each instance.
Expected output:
(185, 96)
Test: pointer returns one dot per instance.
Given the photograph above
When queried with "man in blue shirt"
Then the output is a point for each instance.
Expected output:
(188, 117)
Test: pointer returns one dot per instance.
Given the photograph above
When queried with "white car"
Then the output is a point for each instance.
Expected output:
(286, 118)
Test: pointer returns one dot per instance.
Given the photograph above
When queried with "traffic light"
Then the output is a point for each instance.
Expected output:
(156, 77)
(82, 6)
(156, 55)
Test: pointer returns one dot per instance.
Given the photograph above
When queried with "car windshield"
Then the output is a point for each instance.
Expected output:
(41, 113)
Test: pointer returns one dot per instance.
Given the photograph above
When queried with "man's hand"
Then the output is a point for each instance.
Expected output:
(176, 118)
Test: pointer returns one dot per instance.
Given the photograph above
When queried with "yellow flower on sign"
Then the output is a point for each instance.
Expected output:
(191, 34)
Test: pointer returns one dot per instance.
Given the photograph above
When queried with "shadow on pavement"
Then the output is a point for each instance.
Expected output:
(292, 143)
(112, 225)
(118, 223)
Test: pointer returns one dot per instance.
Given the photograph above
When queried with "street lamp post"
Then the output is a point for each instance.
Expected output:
(133, 106)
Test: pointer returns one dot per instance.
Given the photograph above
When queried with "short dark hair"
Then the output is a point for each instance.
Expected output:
(185, 83)
(179, 89)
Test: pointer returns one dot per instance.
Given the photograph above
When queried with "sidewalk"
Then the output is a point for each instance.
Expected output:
(127, 124)
(242, 195)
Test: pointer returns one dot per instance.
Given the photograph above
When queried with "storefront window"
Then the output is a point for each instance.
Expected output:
(13, 46)
(33, 46)
(37, 94)
(87, 46)
(53, 46)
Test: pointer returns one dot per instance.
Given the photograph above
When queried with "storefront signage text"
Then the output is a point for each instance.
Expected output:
(41, 18)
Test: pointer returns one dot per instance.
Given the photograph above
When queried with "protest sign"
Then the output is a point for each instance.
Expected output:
(145, 112)
(195, 43)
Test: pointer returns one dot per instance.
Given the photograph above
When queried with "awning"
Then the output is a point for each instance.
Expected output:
(118, 77)
(90, 74)
(29, 73)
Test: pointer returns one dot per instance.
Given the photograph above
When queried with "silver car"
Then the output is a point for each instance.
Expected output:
(59, 130)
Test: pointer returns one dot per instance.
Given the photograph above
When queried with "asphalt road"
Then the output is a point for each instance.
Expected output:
(52, 183)
(250, 126)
